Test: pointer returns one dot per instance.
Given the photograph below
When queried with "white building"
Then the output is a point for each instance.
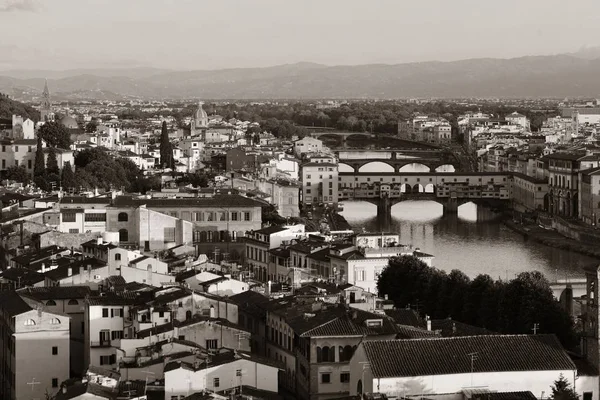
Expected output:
(225, 370)
(360, 264)
(502, 363)
(34, 348)
(307, 145)
(319, 183)
(518, 119)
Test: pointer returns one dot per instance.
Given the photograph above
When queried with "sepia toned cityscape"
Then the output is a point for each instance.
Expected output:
(278, 199)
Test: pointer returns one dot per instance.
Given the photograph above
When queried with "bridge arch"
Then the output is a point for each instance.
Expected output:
(376, 166)
(343, 167)
(414, 167)
(405, 188)
(418, 188)
(430, 188)
(445, 168)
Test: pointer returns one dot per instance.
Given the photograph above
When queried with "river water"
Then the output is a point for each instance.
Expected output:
(460, 242)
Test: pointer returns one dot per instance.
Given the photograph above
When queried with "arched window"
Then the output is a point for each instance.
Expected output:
(73, 302)
(325, 353)
(123, 235)
(29, 322)
(50, 303)
(55, 321)
(117, 256)
(188, 314)
(123, 217)
(149, 268)
(345, 353)
(319, 355)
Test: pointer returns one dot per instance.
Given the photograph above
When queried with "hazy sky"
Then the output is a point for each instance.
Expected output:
(199, 34)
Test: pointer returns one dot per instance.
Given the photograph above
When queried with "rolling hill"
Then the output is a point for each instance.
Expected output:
(572, 75)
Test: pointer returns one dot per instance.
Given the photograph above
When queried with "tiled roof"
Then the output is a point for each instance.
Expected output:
(449, 327)
(85, 200)
(271, 229)
(444, 356)
(404, 316)
(57, 292)
(337, 321)
(510, 396)
(12, 304)
(411, 332)
(22, 276)
(121, 299)
(218, 201)
(77, 267)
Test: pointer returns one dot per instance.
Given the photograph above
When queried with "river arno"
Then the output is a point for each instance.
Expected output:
(459, 242)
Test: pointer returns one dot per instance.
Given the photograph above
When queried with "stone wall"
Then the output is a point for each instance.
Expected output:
(68, 240)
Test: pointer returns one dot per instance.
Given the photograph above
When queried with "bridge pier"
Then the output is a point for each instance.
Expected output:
(451, 206)
(384, 213)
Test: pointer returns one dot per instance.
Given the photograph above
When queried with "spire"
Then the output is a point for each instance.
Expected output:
(46, 92)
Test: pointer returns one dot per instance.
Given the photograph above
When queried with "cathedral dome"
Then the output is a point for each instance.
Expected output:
(69, 122)
(200, 116)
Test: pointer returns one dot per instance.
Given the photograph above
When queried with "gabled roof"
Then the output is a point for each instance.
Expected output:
(444, 356)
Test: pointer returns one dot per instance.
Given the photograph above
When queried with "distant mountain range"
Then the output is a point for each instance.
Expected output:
(563, 75)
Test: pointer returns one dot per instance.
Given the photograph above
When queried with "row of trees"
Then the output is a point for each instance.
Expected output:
(501, 306)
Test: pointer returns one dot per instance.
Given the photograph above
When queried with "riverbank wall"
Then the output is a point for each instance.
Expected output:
(554, 238)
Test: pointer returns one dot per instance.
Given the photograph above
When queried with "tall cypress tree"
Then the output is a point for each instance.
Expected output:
(39, 166)
(67, 178)
(52, 162)
(166, 150)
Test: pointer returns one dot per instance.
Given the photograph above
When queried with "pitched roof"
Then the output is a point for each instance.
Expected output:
(405, 316)
(57, 292)
(443, 356)
(13, 304)
(449, 327)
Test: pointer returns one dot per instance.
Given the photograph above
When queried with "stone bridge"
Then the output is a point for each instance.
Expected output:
(449, 189)
(565, 290)
(343, 135)
(394, 160)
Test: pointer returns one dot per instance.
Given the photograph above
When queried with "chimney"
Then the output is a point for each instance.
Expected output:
(99, 240)
(428, 322)
(64, 389)
(385, 297)
(454, 328)
(70, 271)
(43, 268)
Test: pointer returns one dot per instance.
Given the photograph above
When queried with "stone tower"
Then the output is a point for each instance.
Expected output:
(46, 113)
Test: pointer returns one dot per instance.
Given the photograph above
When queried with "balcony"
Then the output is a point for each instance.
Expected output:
(100, 343)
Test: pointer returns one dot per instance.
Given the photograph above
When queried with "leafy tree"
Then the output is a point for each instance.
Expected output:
(270, 216)
(166, 149)
(67, 178)
(501, 306)
(562, 390)
(91, 127)
(52, 162)
(18, 174)
(55, 134)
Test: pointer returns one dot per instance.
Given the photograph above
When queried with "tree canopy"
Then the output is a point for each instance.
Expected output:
(502, 306)
(55, 134)
(562, 390)
(96, 168)
(18, 174)
(9, 107)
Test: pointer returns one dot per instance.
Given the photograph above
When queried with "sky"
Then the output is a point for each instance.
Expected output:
(201, 34)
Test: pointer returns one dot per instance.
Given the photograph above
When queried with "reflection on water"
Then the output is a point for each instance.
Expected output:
(460, 242)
